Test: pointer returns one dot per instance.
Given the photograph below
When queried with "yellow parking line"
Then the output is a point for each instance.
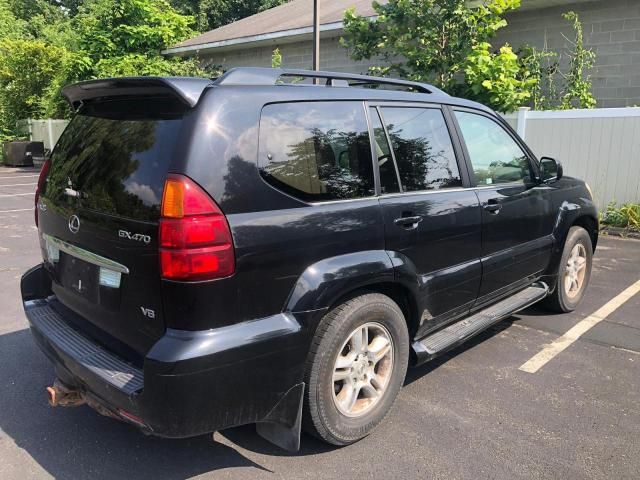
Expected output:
(547, 354)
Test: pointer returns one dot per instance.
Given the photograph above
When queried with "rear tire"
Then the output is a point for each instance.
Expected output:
(355, 368)
(574, 272)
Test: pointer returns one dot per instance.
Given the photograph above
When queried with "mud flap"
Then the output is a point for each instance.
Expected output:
(282, 426)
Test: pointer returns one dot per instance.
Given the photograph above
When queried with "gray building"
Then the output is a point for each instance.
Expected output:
(611, 27)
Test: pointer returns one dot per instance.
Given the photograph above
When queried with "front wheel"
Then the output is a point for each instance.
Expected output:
(356, 366)
(574, 271)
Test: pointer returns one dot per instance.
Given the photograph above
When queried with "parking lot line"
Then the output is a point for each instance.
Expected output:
(17, 210)
(18, 184)
(540, 359)
(18, 194)
(21, 176)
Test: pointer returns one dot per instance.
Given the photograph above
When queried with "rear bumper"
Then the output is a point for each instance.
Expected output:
(191, 382)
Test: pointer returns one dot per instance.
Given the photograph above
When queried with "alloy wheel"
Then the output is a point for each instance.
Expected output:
(362, 369)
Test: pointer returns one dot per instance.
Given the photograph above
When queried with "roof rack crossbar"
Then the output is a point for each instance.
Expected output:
(270, 76)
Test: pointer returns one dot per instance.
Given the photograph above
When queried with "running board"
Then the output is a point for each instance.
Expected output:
(457, 333)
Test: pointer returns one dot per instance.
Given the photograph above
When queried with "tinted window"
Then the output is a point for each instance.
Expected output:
(422, 147)
(117, 155)
(388, 172)
(317, 150)
(494, 154)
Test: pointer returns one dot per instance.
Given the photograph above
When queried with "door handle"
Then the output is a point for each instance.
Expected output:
(408, 222)
(493, 207)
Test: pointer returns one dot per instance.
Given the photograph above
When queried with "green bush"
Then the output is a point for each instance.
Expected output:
(625, 216)
(27, 69)
(497, 79)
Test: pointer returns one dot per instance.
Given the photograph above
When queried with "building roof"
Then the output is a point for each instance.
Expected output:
(293, 21)
(287, 20)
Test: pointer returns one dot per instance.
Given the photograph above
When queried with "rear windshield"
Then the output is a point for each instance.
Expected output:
(114, 156)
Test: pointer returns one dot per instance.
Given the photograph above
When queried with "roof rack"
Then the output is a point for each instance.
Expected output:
(270, 76)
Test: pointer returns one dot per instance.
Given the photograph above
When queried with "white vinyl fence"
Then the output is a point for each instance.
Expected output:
(601, 146)
(47, 131)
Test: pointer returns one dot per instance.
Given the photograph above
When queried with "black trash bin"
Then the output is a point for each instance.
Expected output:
(22, 154)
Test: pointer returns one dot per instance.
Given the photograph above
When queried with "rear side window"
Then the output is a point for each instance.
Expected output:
(316, 150)
(116, 155)
(422, 147)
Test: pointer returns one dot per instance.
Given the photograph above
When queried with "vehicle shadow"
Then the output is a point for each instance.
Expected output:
(72, 443)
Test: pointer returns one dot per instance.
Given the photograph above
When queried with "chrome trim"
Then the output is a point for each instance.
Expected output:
(427, 192)
(417, 192)
(86, 255)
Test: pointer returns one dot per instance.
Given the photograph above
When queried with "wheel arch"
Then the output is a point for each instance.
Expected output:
(590, 224)
(330, 282)
(397, 292)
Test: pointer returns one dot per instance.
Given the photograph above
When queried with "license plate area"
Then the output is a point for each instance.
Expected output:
(97, 279)
(79, 276)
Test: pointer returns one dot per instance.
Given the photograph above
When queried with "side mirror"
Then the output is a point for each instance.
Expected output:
(550, 169)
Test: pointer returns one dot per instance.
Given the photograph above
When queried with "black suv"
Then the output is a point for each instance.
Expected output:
(277, 246)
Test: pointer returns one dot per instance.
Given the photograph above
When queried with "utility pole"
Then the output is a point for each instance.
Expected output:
(316, 35)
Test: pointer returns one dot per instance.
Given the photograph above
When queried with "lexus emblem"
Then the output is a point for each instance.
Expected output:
(74, 224)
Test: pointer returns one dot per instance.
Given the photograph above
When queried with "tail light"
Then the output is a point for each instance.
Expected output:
(41, 179)
(195, 239)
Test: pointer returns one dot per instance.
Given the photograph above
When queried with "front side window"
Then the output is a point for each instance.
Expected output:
(316, 151)
(494, 154)
(422, 147)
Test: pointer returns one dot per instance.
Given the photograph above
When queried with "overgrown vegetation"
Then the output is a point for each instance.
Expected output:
(554, 88)
(626, 216)
(448, 43)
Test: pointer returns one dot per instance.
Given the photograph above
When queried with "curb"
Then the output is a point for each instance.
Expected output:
(619, 232)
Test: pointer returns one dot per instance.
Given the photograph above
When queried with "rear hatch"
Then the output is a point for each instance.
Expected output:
(98, 216)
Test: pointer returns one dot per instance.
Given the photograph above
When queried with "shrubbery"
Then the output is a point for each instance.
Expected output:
(79, 41)
(448, 43)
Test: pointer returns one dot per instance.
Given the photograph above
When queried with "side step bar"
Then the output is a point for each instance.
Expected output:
(457, 333)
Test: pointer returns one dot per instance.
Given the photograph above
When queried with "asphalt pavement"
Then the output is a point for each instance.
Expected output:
(472, 414)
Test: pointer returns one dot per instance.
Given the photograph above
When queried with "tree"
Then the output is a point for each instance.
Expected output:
(444, 42)
(27, 69)
(10, 25)
(109, 28)
(424, 39)
(498, 79)
(65, 41)
(125, 38)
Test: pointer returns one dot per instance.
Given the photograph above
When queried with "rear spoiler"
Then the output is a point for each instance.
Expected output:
(187, 89)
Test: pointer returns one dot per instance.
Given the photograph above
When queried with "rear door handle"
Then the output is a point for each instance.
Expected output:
(493, 207)
(408, 222)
